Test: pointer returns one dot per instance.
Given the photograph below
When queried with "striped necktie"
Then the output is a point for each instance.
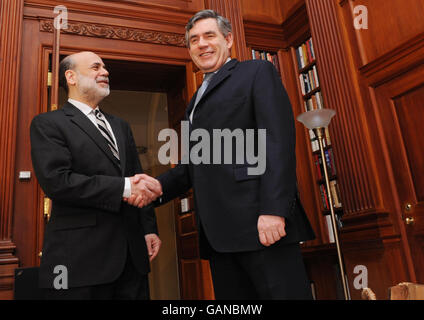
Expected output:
(101, 123)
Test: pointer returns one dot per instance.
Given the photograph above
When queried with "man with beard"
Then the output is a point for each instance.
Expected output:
(96, 245)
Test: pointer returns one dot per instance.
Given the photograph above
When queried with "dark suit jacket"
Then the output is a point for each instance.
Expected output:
(90, 227)
(228, 201)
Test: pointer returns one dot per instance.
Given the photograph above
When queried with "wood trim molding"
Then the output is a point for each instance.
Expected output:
(296, 26)
(10, 48)
(115, 32)
(399, 60)
(265, 36)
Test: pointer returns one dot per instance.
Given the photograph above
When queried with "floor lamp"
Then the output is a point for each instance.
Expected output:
(318, 120)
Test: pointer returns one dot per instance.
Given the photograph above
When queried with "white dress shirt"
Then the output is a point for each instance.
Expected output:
(89, 112)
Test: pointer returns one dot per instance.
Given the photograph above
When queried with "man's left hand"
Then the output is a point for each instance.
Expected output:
(153, 244)
(271, 229)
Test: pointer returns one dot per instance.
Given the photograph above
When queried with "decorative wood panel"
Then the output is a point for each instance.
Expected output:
(162, 9)
(192, 288)
(385, 265)
(390, 23)
(10, 35)
(398, 104)
(119, 33)
(268, 11)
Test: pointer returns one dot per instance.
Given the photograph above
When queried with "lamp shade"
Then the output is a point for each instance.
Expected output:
(319, 118)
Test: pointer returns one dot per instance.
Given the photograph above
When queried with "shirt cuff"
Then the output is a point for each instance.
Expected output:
(127, 188)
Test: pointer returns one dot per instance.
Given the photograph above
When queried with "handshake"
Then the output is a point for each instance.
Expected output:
(144, 190)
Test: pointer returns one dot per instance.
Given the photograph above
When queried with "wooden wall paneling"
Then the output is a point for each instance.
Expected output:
(170, 12)
(231, 10)
(191, 286)
(349, 130)
(10, 45)
(27, 228)
(262, 11)
(366, 217)
(290, 6)
(390, 23)
(321, 263)
(385, 265)
(399, 106)
(377, 65)
(265, 36)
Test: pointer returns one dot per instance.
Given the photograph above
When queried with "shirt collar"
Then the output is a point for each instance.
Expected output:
(84, 108)
(216, 71)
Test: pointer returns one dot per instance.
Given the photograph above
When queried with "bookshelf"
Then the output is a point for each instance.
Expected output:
(258, 54)
(311, 99)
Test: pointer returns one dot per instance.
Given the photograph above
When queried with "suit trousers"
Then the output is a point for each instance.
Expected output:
(274, 273)
(130, 285)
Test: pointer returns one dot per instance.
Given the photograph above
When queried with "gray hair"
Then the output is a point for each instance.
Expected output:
(223, 24)
(66, 64)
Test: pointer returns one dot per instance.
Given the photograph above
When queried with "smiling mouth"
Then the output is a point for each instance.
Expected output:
(103, 81)
(206, 54)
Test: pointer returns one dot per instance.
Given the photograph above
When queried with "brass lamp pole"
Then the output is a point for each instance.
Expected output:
(317, 120)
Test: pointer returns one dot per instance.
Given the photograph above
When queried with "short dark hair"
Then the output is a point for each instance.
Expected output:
(223, 24)
(66, 64)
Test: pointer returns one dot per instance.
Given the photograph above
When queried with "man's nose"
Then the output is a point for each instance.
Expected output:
(104, 72)
(202, 42)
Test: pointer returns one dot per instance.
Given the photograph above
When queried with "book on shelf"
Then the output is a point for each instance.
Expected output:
(317, 161)
(305, 54)
(314, 102)
(335, 193)
(309, 81)
(329, 228)
(329, 159)
(268, 56)
(324, 197)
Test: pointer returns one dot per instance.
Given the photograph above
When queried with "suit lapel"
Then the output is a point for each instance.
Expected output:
(81, 120)
(218, 78)
(222, 74)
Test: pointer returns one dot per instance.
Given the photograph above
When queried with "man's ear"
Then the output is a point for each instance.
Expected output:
(229, 39)
(71, 77)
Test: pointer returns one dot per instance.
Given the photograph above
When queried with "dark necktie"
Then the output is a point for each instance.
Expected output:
(100, 119)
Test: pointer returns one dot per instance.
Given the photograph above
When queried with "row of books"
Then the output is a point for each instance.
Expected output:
(335, 193)
(329, 161)
(314, 140)
(309, 80)
(314, 102)
(305, 53)
(268, 56)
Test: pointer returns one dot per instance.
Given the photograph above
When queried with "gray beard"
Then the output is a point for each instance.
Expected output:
(89, 89)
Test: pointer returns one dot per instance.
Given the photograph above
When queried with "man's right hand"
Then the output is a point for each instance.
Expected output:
(144, 190)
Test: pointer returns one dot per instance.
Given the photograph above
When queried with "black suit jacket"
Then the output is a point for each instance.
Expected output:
(90, 227)
(228, 201)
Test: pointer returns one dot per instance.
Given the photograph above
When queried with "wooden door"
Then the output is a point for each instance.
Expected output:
(402, 117)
